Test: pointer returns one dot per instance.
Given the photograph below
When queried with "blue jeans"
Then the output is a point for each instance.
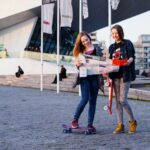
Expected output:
(89, 92)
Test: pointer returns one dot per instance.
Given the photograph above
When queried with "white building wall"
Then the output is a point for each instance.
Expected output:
(11, 7)
(17, 37)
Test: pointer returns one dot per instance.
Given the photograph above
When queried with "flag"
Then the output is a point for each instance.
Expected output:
(114, 4)
(66, 13)
(85, 9)
(48, 11)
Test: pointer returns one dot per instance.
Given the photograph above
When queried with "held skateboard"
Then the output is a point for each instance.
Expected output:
(84, 130)
(109, 84)
(119, 59)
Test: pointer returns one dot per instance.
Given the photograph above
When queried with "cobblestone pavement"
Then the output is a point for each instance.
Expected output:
(143, 88)
(31, 120)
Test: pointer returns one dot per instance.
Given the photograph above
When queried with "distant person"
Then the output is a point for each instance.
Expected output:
(144, 74)
(62, 74)
(6, 52)
(122, 79)
(19, 72)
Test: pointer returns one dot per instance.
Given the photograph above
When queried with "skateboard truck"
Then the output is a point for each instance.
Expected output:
(106, 107)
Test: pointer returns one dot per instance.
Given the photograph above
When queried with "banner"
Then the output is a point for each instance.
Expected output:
(66, 13)
(114, 4)
(48, 12)
(85, 9)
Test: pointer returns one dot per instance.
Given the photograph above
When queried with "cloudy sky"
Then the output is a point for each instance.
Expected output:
(133, 27)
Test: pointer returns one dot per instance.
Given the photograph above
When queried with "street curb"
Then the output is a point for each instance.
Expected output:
(31, 82)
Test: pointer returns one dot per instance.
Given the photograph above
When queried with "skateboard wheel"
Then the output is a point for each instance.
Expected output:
(106, 107)
(65, 131)
(87, 132)
(70, 130)
(107, 84)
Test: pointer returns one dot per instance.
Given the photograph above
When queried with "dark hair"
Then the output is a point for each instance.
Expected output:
(79, 47)
(119, 30)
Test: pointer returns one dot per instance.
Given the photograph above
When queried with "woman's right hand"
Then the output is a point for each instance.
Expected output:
(104, 74)
(77, 62)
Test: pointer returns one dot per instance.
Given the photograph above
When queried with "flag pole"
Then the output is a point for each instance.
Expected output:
(80, 16)
(109, 19)
(58, 42)
(80, 27)
(41, 83)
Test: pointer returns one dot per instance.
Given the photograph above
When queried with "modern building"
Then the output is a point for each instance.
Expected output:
(142, 48)
(20, 24)
(20, 30)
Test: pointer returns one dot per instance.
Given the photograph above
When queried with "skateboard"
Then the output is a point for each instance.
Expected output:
(119, 59)
(109, 84)
(84, 130)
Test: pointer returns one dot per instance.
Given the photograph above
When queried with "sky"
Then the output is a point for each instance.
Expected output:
(9, 7)
(133, 27)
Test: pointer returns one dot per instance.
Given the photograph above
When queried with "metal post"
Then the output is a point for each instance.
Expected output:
(58, 42)
(109, 20)
(80, 15)
(41, 84)
(80, 27)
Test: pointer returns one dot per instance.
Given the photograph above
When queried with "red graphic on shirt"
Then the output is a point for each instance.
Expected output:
(46, 22)
(118, 59)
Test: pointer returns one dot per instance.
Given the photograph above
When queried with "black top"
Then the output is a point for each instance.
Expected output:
(127, 72)
(63, 72)
(118, 74)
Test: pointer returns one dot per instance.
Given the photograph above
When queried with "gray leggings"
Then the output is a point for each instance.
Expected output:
(121, 92)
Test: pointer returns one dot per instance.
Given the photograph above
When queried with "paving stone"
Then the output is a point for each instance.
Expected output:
(31, 120)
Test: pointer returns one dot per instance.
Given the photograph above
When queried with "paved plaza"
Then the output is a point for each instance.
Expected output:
(31, 120)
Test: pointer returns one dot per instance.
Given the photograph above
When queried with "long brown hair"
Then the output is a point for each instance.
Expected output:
(79, 48)
(119, 30)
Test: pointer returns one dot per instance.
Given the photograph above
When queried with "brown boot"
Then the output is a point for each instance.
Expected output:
(119, 128)
(132, 126)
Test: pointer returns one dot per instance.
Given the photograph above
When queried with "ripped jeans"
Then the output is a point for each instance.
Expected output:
(121, 90)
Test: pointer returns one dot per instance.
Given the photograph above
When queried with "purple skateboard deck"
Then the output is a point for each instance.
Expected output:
(85, 130)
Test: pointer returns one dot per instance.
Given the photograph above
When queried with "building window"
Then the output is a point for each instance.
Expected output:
(67, 39)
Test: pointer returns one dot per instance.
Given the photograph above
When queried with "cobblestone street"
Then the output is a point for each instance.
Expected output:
(32, 120)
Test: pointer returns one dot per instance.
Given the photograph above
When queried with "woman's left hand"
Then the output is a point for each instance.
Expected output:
(130, 60)
(104, 74)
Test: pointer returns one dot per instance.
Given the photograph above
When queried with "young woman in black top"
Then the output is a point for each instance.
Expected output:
(123, 78)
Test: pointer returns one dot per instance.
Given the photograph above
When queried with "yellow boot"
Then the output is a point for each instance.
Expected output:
(119, 128)
(132, 126)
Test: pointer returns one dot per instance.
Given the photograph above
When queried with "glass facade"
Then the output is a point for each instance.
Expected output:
(146, 38)
(67, 39)
(143, 52)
